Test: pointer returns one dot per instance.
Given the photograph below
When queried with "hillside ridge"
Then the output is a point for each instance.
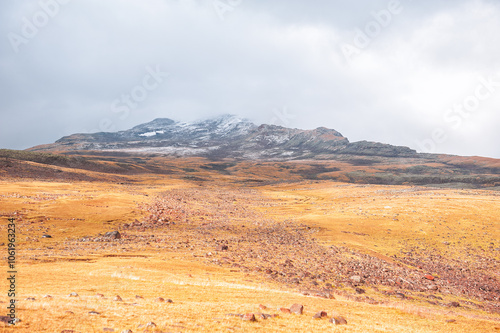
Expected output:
(225, 136)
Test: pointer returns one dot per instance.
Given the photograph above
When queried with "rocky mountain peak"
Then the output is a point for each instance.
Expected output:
(225, 136)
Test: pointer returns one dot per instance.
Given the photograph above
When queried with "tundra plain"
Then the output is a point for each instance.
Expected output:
(202, 243)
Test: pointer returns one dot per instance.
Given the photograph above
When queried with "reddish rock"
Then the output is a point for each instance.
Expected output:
(285, 310)
(249, 317)
(338, 320)
(360, 291)
(220, 248)
(321, 314)
(264, 316)
(297, 308)
(263, 307)
(429, 277)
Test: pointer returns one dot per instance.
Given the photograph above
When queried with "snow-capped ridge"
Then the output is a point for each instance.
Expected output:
(226, 136)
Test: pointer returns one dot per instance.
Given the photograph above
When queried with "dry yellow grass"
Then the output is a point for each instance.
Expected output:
(203, 293)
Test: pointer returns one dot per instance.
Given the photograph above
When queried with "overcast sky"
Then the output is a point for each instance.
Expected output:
(423, 74)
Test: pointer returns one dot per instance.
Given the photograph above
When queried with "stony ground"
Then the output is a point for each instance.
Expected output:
(179, 257)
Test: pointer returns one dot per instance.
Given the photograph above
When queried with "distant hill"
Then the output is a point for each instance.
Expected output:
(225, 136)
(245, 152)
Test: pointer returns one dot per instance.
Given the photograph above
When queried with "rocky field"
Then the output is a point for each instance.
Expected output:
(226, 248)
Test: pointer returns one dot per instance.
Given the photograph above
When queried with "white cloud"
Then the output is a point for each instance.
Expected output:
(262, 57)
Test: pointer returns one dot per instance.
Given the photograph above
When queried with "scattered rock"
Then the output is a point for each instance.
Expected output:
(249, 317)
(138, 297)
(285, 310)
(321, 314)
(324, 294)
(46, 236)
(356, 279)
(429, 277)
(220, 248)
(94, 313)
(8, 320)
(297, 308)
(169, 301)
(432, 287)
(160, 299)
(70, 312)
(360, 291)
(454, 304)
(451, 321)
(31, 299)
(264, 316)
(73, 295)
(100, 295)
(47, 296)
(113, 235)
(263, 307)
(117, 298)
(338, 320)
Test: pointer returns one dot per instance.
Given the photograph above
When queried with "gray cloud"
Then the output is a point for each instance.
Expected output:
(260, 59)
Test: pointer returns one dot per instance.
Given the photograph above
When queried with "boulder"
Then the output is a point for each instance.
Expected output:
(338, 320)
(113, 235)
(297, 308)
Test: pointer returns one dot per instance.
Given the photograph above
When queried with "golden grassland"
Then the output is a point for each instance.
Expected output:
(382, 221)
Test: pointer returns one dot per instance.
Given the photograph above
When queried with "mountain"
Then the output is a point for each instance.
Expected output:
(225, 136)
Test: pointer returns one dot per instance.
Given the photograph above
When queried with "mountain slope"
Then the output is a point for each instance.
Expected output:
(225, 136)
